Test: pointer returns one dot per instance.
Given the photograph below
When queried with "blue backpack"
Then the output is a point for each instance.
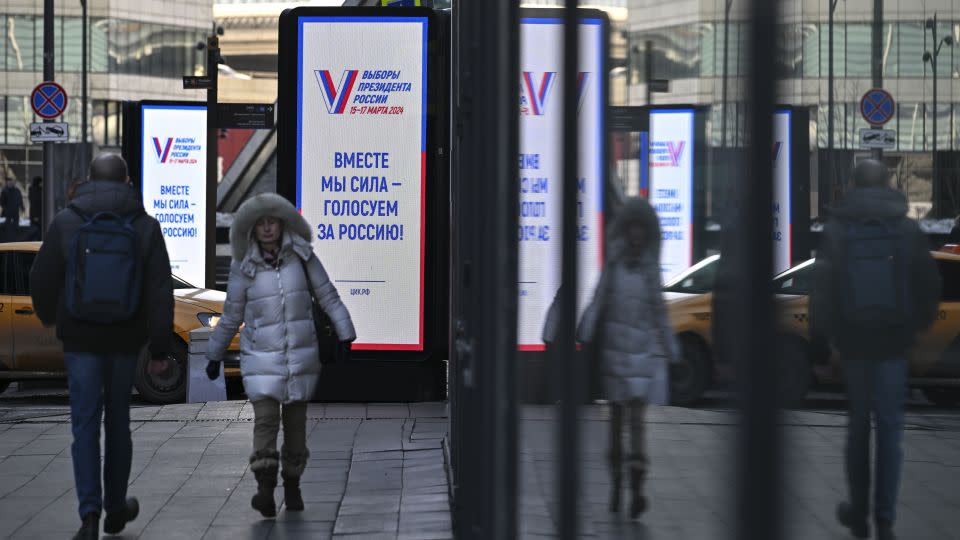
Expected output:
(104, 272)
(874, 286)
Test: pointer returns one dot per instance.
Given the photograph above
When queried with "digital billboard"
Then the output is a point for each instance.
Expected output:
(361, 121)
(173, 161)
(541, 168)
(671, 148)
(782, 210)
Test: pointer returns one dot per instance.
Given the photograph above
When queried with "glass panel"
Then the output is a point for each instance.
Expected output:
(20, 46)
(99, 45)
(811, 51)
(911, 49)
(18, 120)
(891, 50)
(909, 127)
(3, 119)
(790, 58)
(58, 43)
(73, 44)
(711, 51)
(858, 57)
(839, 49)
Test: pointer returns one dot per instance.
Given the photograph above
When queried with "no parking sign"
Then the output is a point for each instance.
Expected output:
(48, 100)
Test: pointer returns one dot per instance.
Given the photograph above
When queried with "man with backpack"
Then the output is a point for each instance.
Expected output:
(876, 288)
(102, 277)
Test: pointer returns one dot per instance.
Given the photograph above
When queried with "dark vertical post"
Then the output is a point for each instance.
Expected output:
(752, 331)
(487, 215)
(723, 91)
(568, 466)
(937, 188)
(877, 56)
(648, 69)
(83, 76)
(827, 195)
(213, 61)
(49, 203)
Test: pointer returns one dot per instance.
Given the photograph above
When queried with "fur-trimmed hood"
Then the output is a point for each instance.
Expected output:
(267, 204)
(635, 210)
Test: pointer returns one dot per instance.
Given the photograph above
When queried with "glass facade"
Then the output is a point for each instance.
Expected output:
(115, 46)
(695, 51)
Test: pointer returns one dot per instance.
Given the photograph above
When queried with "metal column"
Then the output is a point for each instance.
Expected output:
(759, 465)
(485, 217)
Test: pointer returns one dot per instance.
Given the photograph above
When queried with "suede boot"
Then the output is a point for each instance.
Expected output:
(265, 464)
(294, 464)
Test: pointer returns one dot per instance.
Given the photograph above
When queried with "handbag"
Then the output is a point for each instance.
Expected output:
(328, 344)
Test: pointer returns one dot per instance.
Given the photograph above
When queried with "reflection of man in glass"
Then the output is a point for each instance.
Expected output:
(35, 197)
(12, 202)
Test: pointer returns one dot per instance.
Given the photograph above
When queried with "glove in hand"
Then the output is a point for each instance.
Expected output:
(213, 370)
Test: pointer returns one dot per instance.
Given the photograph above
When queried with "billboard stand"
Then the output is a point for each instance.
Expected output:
(357, 155)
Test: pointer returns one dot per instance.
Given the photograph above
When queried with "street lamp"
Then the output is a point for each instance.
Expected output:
(931, 58)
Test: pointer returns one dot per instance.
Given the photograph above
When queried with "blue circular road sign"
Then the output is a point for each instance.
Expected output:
(877, 107)
(48, 100)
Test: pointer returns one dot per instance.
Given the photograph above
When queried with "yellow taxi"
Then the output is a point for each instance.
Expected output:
(934, 362)
(28, 351)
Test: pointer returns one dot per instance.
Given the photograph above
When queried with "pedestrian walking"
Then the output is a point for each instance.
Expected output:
(274, 279)
(876, 288)
(35, 197)
(12, 202)
(102, 276)
(628, 326)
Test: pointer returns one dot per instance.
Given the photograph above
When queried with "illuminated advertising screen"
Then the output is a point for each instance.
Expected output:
(361, 166)
(782, 170)
(173, 173)
(671, 150)
(541, 167)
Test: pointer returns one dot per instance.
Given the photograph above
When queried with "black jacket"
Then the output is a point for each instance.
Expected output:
(35, 195)
(825, 307)
(12, 202)
(153, 322)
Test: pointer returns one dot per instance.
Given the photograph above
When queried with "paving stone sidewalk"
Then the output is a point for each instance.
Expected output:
(692, 476)
(375, 471)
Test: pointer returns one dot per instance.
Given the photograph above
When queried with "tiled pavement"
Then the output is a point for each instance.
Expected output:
(375, 471)
(692, 478)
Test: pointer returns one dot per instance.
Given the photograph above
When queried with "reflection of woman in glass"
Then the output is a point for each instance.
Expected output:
(627, 321)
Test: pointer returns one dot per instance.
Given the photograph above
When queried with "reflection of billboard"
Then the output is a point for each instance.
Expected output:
(361, 166)
(541, 168)
(782, 217)
(173, 172)
(671, 186)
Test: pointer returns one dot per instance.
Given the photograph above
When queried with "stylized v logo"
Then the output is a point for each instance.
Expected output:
(539, 92)
(776, 150)
(582, 78)
(336, 97)
(675, 150)
(164, 151)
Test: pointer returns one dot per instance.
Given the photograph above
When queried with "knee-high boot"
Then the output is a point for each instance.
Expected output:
(293, 466)
(265, 464)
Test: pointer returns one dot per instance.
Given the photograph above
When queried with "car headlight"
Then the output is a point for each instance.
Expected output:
(208, 320)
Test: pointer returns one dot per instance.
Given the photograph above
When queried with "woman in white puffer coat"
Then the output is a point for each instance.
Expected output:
(269, 292)
(628, 323)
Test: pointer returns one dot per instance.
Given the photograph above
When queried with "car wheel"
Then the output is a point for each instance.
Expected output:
(690, 378)
(795, 371)
(169, 387)
(4, 383)
(943, 397)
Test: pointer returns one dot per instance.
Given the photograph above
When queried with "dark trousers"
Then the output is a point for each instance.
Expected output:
(878, 387)
(100, 385)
